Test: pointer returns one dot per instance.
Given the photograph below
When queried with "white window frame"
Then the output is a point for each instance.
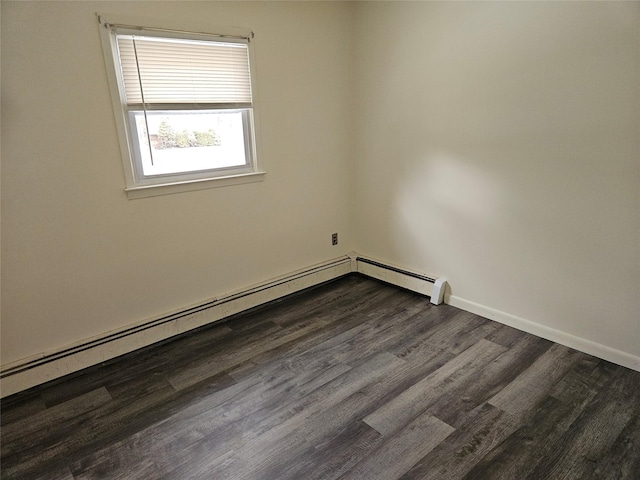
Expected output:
(137, 184)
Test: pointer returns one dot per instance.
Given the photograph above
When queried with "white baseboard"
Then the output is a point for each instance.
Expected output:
(26, 373)
(587, 346)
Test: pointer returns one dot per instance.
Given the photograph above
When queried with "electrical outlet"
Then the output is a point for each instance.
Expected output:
(334, 239)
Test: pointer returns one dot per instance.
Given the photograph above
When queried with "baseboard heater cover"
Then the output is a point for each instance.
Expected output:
(433, 287)
(29, 372)
(26, 373)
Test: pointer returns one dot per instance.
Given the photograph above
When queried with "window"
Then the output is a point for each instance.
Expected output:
(184, 107)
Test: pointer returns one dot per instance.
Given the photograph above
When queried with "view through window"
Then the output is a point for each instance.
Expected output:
(190, 141)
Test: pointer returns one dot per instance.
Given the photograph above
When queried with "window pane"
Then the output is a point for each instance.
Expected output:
(191, 141)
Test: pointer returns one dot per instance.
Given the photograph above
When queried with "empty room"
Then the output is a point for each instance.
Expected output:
(320, 240)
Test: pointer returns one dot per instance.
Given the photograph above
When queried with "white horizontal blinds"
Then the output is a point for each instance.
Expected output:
(185, 72)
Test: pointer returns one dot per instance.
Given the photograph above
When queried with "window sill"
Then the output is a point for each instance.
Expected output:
(191, 185)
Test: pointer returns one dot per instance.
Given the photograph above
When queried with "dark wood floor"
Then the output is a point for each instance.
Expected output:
(352, 380)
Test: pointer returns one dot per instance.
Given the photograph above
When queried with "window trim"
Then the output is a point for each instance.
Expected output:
(140, 186)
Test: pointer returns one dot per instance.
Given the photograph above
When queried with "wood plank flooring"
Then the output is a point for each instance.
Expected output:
(354, 379)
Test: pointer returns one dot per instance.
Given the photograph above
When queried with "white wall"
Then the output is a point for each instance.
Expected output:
(494, 143)
(498, 144)
(78, 258)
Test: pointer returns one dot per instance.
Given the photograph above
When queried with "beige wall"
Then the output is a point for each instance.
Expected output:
(78, 258)
(494, 143)
(498, 145)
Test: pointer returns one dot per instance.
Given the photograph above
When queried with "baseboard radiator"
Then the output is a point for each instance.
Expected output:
(27, 373)
(430, 286)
